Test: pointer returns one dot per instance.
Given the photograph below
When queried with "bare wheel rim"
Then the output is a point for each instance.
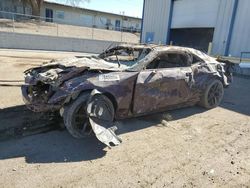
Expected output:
(81, 121)
(215, 94)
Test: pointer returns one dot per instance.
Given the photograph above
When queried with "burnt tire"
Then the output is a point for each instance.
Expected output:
(213, 95)
(75, 117)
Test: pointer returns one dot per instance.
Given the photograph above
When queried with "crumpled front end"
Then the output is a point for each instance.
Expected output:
(100, 111)
(36, 99)
(44, 90)
(43, 83)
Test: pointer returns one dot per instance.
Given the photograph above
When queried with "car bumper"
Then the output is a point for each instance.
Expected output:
(34, 106)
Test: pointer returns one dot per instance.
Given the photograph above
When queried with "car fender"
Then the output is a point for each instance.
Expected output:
(118, 86)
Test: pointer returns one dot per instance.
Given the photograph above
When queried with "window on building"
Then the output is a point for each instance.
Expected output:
(87, 20)
(7, 9)
(108, 22)
(28, 10)
(19, 9)
(60, 14)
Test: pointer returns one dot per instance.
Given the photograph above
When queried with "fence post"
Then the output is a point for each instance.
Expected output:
(121, 33)
(13, 23)
(57, 31)
(93, 25)
(92, 32)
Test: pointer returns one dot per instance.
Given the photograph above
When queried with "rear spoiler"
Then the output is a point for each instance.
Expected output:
(228, 63)
(229, 67)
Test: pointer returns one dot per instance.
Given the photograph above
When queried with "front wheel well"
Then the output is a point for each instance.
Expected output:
(112, 98)
(76, 95)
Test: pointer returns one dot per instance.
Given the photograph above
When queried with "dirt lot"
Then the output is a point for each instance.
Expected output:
(197, 148)
(62, 30)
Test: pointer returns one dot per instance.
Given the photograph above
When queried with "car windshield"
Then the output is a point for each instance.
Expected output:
(124, 57)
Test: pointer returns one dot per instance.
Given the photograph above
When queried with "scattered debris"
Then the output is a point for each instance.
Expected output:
(211, 171)
(101, 114)
(167, 117)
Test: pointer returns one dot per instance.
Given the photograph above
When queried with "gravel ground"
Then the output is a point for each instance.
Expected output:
(62, 30)
(190, 147)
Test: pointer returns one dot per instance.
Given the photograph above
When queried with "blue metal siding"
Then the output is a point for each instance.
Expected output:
(149, 37)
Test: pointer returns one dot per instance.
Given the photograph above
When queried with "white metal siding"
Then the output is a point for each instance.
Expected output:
(86, 17)
(156, 16)
(194, 13)
(240, 40)
(201, 13)
(222, 26)
(87, 20)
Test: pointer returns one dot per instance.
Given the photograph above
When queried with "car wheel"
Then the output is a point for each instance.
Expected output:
(75, 117)
(213, 95)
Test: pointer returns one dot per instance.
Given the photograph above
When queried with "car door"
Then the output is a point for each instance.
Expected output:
(162, 84)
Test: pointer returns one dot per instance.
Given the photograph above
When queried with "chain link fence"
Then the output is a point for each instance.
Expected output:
(29, 24)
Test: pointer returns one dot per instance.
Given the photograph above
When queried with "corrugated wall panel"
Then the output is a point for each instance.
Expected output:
(222, 26)
(209, 13)
(156, 14)
(240, 40)
(194, 13)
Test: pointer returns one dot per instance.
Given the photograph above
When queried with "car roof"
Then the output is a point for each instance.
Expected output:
(156, 47)
(162, 48)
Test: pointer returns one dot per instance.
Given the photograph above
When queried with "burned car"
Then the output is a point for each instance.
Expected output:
(124, 81)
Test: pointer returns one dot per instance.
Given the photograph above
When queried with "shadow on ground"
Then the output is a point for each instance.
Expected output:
(59, 146)
(237, 96)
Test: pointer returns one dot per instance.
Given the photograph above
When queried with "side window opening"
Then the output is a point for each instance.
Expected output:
(169, 60)
(196, 59)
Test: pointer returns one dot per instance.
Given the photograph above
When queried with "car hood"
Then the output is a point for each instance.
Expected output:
(92, 62)
(57, 71)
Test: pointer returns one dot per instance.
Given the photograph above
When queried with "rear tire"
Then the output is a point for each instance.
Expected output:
(212, 95)
(75, 117)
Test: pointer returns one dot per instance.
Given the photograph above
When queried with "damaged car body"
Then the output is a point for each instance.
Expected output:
(125, 81)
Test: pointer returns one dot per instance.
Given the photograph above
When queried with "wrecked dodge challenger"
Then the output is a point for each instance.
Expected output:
(92, 92)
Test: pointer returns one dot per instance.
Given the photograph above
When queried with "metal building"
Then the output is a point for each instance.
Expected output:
(60, 13)
(195, 23)
(66, 14)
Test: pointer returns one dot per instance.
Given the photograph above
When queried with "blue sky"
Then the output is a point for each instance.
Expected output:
(130, 7)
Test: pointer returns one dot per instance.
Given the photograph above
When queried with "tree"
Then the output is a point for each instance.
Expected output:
(24, 2)
(35, 6)
(76, 2)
